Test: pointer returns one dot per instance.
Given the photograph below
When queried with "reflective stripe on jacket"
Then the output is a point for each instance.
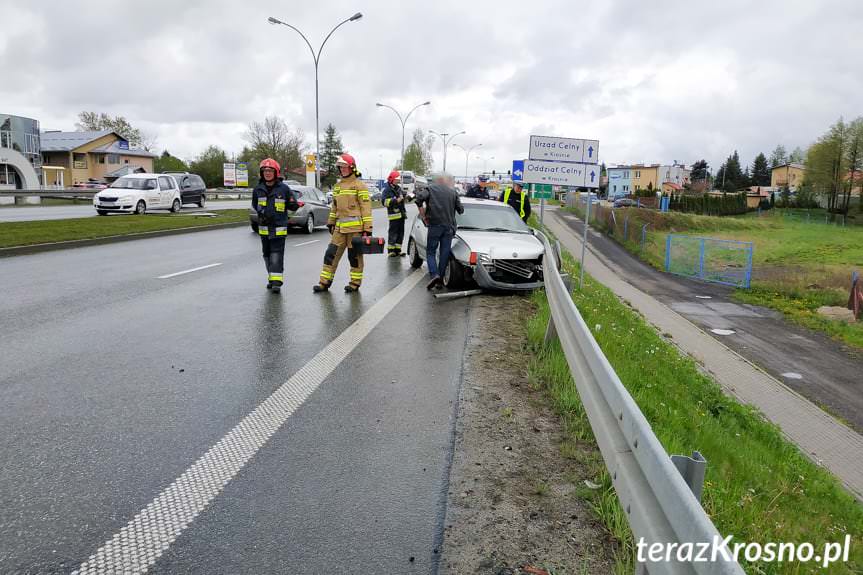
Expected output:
(351, 210)
(395, 209)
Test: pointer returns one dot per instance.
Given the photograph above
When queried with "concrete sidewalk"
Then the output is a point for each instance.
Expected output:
(817, 434)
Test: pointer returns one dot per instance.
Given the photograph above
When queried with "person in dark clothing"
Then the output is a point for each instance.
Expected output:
(438, 206)
(477, 190)
(518, 199)
(393, 198)
(272, 199)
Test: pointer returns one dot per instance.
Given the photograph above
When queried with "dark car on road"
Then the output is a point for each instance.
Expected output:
(314, 209)
(625, 203)
(193, 190)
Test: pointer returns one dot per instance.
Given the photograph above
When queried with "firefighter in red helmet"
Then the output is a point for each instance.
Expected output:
(393, 198)
(272, 199)
(350, 216)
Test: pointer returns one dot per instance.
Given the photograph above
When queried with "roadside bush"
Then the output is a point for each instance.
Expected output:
(706, 204)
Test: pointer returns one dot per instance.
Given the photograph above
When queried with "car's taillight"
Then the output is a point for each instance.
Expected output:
(301, 204)
(473, 258)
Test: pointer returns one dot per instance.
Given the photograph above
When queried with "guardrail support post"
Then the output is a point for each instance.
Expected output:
(692, 469)
(550, 330)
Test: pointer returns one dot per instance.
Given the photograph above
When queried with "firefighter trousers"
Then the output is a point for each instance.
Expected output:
(396, 236)
(274, 257)
(338, 244)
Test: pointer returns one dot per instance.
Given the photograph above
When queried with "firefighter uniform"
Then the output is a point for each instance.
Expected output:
(350, 216)
(272, 204)
(394, 199)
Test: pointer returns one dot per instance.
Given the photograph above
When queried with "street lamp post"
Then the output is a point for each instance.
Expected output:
(317, 59)
(467, 152)
(446, 140)
(404, 122)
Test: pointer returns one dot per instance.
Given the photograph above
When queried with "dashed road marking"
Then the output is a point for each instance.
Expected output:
(148, 535)
(792, 375)
(187, 271)
(723, 331)
(304, 243)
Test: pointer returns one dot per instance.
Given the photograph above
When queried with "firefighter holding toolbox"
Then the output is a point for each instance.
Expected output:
(350, 218)
(394, 199)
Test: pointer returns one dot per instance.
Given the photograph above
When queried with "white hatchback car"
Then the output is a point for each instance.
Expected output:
(137, 193)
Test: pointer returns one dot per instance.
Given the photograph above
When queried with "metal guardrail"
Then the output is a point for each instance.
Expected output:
(651, 486)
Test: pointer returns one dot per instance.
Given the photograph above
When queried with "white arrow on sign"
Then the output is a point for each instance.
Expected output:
(519, 173)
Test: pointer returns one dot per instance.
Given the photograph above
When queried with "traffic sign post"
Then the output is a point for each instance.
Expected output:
(563, 162)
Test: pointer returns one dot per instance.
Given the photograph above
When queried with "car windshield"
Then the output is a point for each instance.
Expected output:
(490, 217)
(407, 179)
(135, 184)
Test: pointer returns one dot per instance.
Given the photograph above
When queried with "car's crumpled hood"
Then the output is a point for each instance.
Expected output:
(502, 245)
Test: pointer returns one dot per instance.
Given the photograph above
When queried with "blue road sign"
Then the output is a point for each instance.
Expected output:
(517, 170)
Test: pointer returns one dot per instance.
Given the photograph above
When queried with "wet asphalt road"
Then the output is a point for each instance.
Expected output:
(829, 372)
(27, 214)
(114, 382)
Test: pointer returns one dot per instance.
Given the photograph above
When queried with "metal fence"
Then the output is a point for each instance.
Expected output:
(659, 493)
(726, 262)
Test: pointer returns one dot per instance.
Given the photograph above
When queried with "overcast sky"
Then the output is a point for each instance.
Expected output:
(654, 81)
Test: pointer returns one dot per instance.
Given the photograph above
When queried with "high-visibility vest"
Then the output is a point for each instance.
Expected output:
(521, 204)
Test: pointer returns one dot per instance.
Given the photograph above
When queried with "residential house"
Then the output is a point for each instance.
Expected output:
(790, 175)
(619, 180)
(101, 156)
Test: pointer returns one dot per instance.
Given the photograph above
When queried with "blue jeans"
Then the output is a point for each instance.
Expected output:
(438, 236)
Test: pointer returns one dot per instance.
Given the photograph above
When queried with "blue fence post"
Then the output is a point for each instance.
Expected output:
(749, 265)
(668, 253)
(701, 260)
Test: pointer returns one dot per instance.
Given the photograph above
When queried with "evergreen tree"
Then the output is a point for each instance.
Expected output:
(210, 166)
(168, 163)
(699, 170)
(330, 152)
(760, 171)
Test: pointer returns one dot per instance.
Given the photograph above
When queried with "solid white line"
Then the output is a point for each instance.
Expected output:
(148, 535)
(304, 243)
(187, 272)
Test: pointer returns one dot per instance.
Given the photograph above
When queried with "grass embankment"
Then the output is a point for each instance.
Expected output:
(758, 488)
(798, 266)
(48, 231)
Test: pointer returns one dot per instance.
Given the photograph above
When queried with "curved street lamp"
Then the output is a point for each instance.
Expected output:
(446, 140)
(404, 122)
(467, 152)
(317, 59)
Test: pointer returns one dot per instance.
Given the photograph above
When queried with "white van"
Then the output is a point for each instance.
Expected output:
(408, 181)
(137, 193)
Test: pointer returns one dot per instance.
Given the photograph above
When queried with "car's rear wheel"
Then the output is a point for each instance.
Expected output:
(175, 207)
(141, 208)
(310, 224)
(453, 275)
(415, 259)
(102, 212)
(202, 202)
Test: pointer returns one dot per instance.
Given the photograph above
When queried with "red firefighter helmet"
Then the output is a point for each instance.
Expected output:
(349, 161)
(394, 175)
(270, 163)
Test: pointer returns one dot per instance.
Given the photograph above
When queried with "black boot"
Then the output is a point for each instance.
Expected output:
(320, 288)
(350, 288)
(276, 286)
(269, 285)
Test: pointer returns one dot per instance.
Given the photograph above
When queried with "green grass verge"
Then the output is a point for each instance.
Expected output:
(758, 488)
(47, 231)
(797, 266)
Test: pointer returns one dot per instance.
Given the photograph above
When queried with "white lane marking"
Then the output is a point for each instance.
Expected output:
(304, 243)
(723, 331)
(792, 375)
(148, 535)
(187, 271)
(704, 297)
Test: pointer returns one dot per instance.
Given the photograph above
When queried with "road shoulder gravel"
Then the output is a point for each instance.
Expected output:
(512, 504)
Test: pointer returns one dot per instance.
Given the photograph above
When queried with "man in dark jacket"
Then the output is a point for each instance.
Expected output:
(477, 190)
(272, 199)
(438, 206)
(393, 198)
(518, 199)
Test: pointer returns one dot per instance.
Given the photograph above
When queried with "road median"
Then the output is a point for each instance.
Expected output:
(19, 238)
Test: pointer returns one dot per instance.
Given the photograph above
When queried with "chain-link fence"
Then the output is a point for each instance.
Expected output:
(726, 262)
